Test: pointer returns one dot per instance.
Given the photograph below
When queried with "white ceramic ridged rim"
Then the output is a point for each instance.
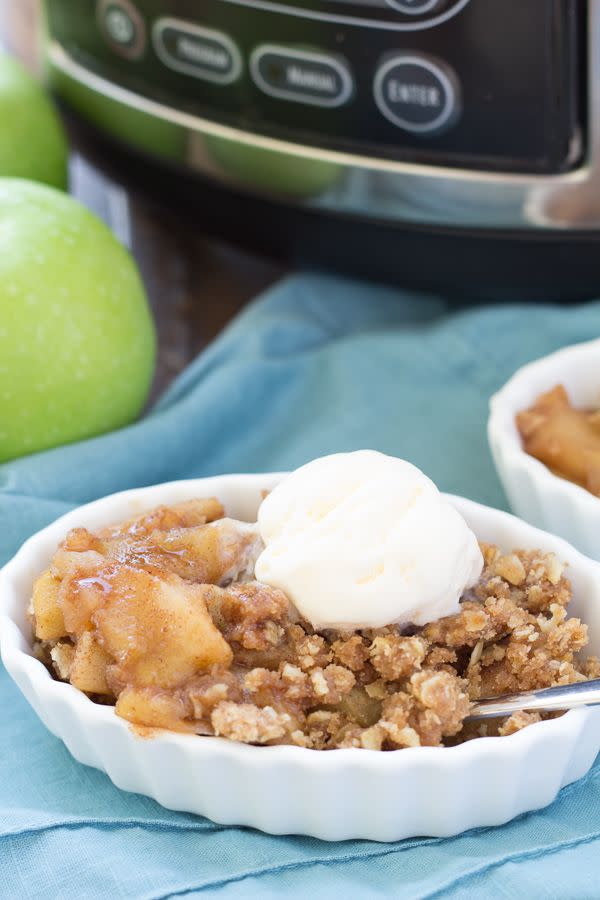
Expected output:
(335, 795)
(534, 492)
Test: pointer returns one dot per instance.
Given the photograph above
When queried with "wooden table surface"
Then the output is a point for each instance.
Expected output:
(195, 284)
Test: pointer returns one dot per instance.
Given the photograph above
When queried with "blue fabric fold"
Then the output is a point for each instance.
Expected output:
(317, 365)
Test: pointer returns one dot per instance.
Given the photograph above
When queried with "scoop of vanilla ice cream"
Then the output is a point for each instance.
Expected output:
(362, 540)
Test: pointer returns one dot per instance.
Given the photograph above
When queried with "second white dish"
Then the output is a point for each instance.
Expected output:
(534, 492)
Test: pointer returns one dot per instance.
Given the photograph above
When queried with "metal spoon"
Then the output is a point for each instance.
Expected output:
(565, 696)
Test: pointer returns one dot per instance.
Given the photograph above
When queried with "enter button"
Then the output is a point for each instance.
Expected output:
(301, 76)
(417, 93)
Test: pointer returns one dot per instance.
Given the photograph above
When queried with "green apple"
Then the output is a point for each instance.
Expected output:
(32, 140)
(77, 341)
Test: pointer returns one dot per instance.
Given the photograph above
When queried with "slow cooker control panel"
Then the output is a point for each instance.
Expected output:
(459, 83)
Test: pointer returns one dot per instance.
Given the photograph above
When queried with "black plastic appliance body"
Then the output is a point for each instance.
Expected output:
(444, 144)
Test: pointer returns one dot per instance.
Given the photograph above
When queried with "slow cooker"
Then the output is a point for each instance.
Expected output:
(447, 144)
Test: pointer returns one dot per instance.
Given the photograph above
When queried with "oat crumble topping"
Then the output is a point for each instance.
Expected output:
(161, 616)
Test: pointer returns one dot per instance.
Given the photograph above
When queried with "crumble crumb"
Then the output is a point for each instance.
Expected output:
(518, 721)
(395, 657)
(62, 655)
(248, 723)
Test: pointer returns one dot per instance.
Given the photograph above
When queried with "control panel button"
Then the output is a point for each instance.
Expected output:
(122, 26)
(415, 7)
(302, 76)
(417, 93)
(197, 51)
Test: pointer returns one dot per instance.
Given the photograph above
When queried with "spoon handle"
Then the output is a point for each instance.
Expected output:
(564, 696)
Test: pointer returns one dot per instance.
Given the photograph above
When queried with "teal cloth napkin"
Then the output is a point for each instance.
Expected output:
(315, 366)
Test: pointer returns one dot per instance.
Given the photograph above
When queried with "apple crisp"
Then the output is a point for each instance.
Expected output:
(162, 617)
(565, 439)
